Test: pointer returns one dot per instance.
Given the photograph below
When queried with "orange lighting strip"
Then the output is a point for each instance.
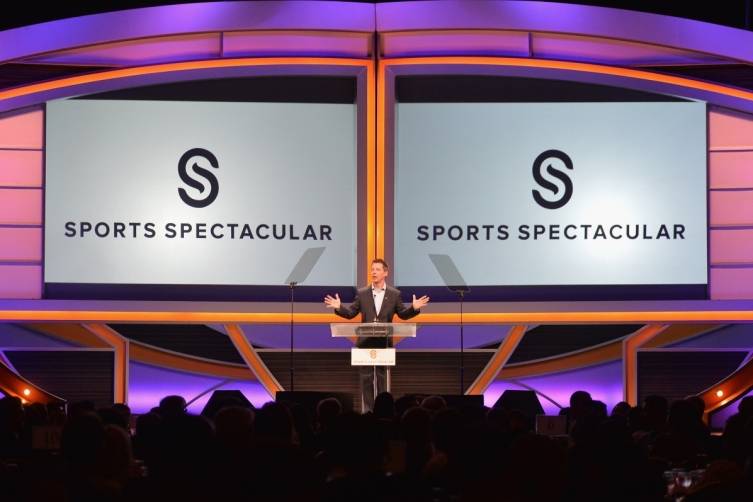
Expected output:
(674, 316)
(546, 64)
(375, 190)
(492, 369)
(732, 387)
(369, 104)
(157, 69)
(182, 362)
(16, 385)
(630, 346)
(591, 356)
(119, 345)
(254, 362)
(372, 198)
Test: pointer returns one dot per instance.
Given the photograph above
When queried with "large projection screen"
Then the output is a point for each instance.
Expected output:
(553, 195)
(216, 194)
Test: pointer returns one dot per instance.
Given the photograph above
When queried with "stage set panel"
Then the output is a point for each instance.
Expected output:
(553, 173)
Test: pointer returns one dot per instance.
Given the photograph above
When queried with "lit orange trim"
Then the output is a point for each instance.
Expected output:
(679, 332)
(15, 385)
(573, 66)
(734, 386)
(254, 362)
(498, 360)
(176, 67)
(156, 357)
(681, 316)
(630, 346)
(589, 357)
(601, 354)
(69, 332)
(120, 346)
(372, 174)
(607, 317)
(381, 113)
(370, 105)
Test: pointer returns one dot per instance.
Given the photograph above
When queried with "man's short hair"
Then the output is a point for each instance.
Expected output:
(382, 262)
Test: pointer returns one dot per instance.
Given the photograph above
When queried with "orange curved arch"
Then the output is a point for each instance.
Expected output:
(600, 354)
(73, 333)
(731, 388)
(148, 354)
(119, 345)
(156, 69)
(156, 357)
(498, 360)
(15, 385)
(508, 317)
(254, 362)
(568, 66)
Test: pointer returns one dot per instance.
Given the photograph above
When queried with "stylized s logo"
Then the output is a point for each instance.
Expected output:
(193, 183)
(547, 184)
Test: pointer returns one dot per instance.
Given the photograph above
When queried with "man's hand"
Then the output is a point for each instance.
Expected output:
(334, 303)
(419, 302)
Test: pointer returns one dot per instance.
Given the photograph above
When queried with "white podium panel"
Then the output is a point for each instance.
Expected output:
(372, 357)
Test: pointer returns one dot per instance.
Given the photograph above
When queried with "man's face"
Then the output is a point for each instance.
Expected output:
(378, 273)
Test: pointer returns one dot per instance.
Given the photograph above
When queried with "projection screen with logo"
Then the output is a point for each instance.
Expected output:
(551, 194)
(199, 193)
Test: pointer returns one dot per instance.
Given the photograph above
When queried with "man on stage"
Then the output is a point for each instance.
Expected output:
(377, 302)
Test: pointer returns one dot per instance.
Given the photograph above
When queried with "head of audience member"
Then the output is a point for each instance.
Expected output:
(233, 425)
(581, 404)
(171, 407)
(599, 410)
(621, 409)
(636, 419)
(11, 415)
(655, 411)
(745, 408)
(384, 406)
(274, 424)
(404, 403)
(683, 417)
(124, 411)
(433, 404)
(698, 404)
(326, 412)
(110, 416)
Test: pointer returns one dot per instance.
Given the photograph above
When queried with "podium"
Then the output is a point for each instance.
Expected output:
(374, 345)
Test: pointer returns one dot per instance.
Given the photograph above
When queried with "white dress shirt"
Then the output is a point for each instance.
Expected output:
(378, 297)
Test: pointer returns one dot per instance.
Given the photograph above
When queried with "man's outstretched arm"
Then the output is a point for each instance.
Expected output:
(333, 302)
(406, 313)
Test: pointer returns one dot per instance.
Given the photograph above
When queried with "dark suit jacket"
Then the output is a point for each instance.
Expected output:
(363, 304)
